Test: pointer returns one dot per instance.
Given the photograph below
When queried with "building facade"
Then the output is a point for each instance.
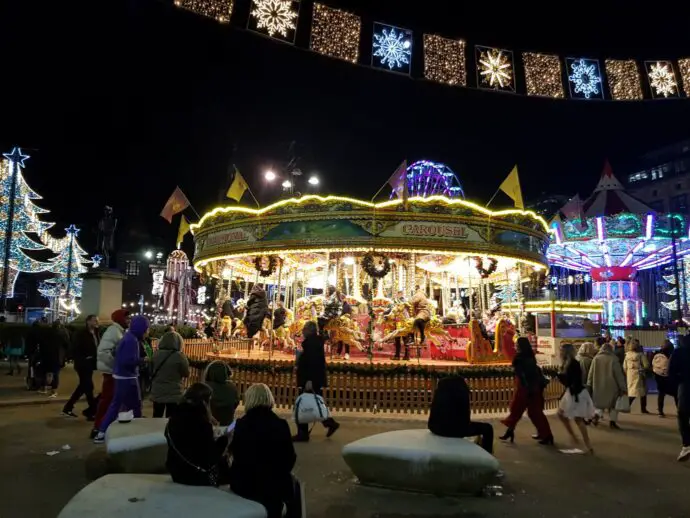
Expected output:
(661, 179)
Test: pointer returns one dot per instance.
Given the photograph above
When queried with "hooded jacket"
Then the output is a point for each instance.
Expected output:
(257, 310)
(225, 395)
(127, 357)
(169, 366)
(105, 356)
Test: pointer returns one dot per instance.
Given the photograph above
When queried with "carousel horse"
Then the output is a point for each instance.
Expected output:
(504, 340)
(225, 327)
(478, 348)
(344, 329)
(282, 334)
(240, 330)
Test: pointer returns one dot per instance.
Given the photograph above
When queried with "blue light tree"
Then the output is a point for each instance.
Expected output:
(68, 265)
(18, 216)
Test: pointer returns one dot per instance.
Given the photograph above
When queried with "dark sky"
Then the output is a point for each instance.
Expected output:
(119, 101)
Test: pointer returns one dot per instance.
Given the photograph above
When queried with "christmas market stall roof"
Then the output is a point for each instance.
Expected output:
(311, 225)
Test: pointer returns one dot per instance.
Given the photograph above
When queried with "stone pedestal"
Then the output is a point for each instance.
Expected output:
(101, 293)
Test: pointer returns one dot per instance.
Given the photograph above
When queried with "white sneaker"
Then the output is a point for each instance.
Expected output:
(347, 357)
(53, 395)
(684, 454)
(100, 438)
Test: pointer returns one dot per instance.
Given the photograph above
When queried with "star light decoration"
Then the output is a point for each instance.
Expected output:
(584, 79)
(662, 78)
(495, 69)
(275, 17)
(393, 48)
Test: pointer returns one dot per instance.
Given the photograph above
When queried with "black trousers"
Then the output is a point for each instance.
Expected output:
(346, 346)
(474, 429)
(167, 409)
(665, 388)
(420, 324)
(643, 402)
(85, 388)
(303, 429)
(399, 340)
(684, 425)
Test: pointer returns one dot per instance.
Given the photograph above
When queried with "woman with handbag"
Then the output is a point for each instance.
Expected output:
(635, 367)
(575, 403)
(311, 376)
(169, 366)
(606, 383)
(528, 395)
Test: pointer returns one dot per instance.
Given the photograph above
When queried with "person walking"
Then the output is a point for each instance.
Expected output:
(170, 366)
(257, 311)
(14, 349)
(127, 392)
(664, 383)
(679, 372)
(84, 352)
(606, 383)
(449, 415)
(49, 359)
(529, 395)
(346, 311)
(105, 362)
(311, 375)
(619, 349)
(575, 402)
(226, 397)
(635, 367)
(585, 355)
(422, 314)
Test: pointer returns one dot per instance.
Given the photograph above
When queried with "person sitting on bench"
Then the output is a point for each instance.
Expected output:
(450, 413)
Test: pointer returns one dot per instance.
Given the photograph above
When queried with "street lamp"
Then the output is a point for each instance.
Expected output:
(287, 184)
(148, 254)
(313, 180)
(269, 176)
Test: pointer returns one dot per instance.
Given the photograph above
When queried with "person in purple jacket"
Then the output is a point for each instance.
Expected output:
(127, 394)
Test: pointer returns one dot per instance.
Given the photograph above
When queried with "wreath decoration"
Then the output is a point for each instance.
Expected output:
(485, 272)
(265, 264)
(377, 266)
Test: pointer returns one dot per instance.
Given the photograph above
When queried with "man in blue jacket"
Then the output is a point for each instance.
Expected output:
(126, 375)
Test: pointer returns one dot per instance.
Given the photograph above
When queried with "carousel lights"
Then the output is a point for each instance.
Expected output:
(349, 261)
(382, 205)
(600, 228)
(649, 226)
(544, 306)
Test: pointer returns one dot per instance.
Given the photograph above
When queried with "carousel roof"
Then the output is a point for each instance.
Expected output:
(610, 198)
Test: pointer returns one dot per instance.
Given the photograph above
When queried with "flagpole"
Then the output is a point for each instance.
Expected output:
(492, 198)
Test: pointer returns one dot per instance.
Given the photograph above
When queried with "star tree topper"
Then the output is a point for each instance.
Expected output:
(16, 156)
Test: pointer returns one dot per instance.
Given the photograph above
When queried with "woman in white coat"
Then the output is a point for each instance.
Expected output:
(635, 367)
(606, 383)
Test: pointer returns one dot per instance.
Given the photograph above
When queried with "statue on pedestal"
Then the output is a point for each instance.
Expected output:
(106, 236)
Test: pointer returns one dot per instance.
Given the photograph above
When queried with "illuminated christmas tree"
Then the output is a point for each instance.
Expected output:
(68, 265)
(18, 216)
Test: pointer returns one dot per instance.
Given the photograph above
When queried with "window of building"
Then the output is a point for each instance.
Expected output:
(679, 203)
(132, 268)
(657, 206)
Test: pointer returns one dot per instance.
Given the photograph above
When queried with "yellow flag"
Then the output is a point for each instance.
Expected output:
(184, 228)
(237, 188)
(511, 186)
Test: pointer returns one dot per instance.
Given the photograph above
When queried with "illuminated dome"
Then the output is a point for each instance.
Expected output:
(426, 178)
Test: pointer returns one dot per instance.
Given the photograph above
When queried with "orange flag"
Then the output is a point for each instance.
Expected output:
(175, 204)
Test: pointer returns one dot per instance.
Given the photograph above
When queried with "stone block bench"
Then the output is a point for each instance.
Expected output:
(138, 446)
(417, 460)
(147, 496)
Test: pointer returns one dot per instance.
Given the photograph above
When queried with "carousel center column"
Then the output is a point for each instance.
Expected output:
(411, 271)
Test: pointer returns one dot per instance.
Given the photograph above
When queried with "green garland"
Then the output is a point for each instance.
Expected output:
(271, 267)
(370, 267)
(274, 368)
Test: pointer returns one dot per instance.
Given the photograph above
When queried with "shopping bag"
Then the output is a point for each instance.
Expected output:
(310, 408)
(623, 404)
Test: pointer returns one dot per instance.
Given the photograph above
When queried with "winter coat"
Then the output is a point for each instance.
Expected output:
(333, 307)
(14, 346)
(51, 350)
(635, 366)
(84, 349)
(421, 306)
(279, 317)
(168, 366)
(449, 415)
(262, 459)
(226, 397)
(105, 357)
(679, 373)
(606, 380)
(257, 310)
(127, 357)
(585, 364)
(311, 364)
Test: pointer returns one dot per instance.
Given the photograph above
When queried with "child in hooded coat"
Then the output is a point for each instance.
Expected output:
(126, 375)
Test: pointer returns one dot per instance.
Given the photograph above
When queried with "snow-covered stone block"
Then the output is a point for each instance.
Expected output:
(146, 496)
(138, 446)
(417, 460)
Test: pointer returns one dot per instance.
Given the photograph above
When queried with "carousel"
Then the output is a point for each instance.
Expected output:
(367, 273)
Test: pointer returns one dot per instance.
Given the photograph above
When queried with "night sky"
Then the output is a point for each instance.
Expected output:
(118, 102)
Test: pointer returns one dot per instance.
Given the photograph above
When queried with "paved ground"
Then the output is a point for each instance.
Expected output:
(633, 473)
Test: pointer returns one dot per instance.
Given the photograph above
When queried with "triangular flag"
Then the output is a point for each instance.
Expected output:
(237, 187)
(175, 204)
(184, 228)
(398, 182)
(511, 186)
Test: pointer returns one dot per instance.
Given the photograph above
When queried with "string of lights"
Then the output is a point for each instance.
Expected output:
(335, 33)
(624, 79)
(543, 75)
(220, 10)
(684, 68)
(444, 60)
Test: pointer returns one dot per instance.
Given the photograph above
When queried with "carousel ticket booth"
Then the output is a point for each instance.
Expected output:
(377, 256)
(557, 322)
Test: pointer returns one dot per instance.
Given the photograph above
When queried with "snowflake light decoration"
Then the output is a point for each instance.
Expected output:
(276, 17)
(585, 78)
(662, 79)
(495, 68)
(392, 47)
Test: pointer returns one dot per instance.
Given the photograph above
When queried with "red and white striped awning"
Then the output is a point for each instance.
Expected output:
(610, 198)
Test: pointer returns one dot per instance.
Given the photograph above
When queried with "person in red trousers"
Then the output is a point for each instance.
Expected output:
(529, 395)
(105, 360)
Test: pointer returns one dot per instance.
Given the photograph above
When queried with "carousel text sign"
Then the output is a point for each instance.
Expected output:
(218, 239)
(432, 230)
